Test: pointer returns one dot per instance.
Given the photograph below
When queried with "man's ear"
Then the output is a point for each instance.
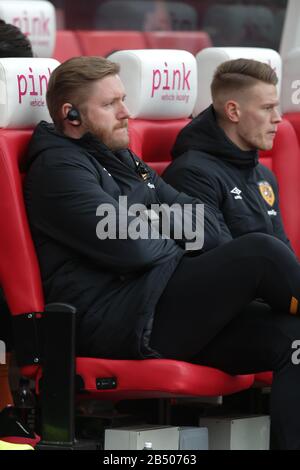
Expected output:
(232, 111)
(66, 107)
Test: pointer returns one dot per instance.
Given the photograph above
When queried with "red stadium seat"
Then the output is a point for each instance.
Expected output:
(294, 119)
(191, 41)
(290, 102)
(66, 46)
(103, 43)
(284, 161)
(264, 378)
(153, 140)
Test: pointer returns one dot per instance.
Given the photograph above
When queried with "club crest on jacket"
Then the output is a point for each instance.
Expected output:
(267, 192)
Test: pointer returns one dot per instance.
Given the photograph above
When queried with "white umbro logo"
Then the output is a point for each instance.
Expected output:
(237, 192)
(106, 171)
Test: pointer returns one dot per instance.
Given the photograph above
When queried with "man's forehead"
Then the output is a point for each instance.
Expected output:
(264, 92)
(111, 84)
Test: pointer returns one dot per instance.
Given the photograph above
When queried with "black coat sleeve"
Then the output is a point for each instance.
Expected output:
(62, 200)
(210, 226)
(203, 187)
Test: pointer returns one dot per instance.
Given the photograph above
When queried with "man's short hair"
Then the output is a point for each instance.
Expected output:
(71, 83)
(236, 75)
(13, 43)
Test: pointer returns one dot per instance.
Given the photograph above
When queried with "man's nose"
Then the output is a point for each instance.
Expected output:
(123, 111)
(276, 116)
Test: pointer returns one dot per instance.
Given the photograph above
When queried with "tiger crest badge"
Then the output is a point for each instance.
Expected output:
(267, 192)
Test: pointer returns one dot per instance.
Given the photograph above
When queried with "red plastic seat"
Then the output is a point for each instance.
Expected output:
(284, 161)
(264, 378)
(192, 41)
(153, 140)
(66, 46)
(103, 43)
(294, 119)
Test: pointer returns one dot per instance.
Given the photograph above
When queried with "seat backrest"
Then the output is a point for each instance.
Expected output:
(209, 59)
(284, 161)
(191, 41)
(18, 263)
(36, 19)
(23, 104)
(66, 46)
(103, 43)
(160, 94)
(290, 92)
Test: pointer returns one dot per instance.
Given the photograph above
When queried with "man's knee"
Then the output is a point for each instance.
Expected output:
(260, 243)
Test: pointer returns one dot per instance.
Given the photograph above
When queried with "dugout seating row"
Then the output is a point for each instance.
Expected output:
(154, 128)
(20, 278)
(152, 136)
(156, 122)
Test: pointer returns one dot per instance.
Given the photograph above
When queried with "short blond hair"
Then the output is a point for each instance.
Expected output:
(71, 83)
(239, 74)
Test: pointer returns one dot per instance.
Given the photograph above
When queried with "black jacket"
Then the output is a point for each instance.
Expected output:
(208, 165)
(114, 284)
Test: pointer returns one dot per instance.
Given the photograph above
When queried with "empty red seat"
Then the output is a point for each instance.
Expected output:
(192, 41)
(294, 119)
(153, 140)
(103, 43)
(66, 46)
(264, 378)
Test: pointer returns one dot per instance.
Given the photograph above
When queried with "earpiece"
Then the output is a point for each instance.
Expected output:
(73, 115)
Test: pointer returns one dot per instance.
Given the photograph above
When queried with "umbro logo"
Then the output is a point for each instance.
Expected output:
(106, 171)
(237, 192)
